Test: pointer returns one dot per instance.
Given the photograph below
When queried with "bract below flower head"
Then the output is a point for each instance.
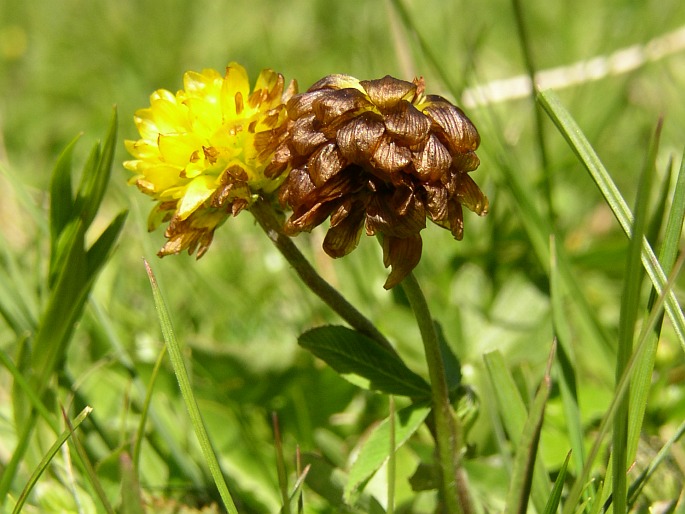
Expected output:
(379, 154)
(206, 151)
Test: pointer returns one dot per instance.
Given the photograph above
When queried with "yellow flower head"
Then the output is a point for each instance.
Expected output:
(206, 152)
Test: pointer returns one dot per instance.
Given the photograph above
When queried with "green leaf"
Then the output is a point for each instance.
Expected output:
(376, 449)
(570, 130)
(352, 353)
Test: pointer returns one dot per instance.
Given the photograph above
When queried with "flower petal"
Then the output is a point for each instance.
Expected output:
(403, 254)
(199, 190)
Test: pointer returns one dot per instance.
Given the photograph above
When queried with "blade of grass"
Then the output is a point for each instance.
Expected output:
(90, 473)
(47, 458)
(527, 51)
(186, 390)
(637, 486)
(280, 465)
(621, 389)
(527, 447)
(140, 433)
(555, 497)
(667, 257)
(513, 412)
(630, 302)
(570, 130)
(565, 363)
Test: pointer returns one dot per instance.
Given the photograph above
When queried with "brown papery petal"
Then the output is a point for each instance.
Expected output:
(295, 188)
(397, 214)
(432, 161)
(456, 217)
(304, 137)
(359, 138)
(344, 237)
(407, 124)
(390, 157)
(335, 81)
(403, 254)
(300, 105)
(335, 103)
(324, 163)
(469, 194)
(436, 204)
(461, 135)
(388, 91)
(305, 219)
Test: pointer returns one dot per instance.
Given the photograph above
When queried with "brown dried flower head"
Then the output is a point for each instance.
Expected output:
(378, 154)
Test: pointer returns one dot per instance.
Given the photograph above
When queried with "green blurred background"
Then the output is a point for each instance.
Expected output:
(63, 64)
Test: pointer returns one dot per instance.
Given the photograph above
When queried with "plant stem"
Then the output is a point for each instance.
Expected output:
(447, 429)
(265, 215)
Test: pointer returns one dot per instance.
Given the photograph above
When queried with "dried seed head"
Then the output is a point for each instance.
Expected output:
(378, 154)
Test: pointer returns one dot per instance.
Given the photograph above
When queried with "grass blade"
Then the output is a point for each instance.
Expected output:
(514, 417)
(630, 301)
(527, 448)
(637, 486)
(47, 458)
(667, 257)
(570, 130)
(555, 497)
(186, 390)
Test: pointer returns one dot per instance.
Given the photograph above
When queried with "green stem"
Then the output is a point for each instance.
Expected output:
(447, 429)
(265, 215)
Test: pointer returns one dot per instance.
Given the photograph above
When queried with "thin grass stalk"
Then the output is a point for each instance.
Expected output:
(47, 458)
(140, 434)
(280, 464)
(186, 391)
(531, 69)
(667, 257)
(626, 330)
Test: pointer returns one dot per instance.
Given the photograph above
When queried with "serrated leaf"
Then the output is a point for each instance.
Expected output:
(376, 449)
(351, 353)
